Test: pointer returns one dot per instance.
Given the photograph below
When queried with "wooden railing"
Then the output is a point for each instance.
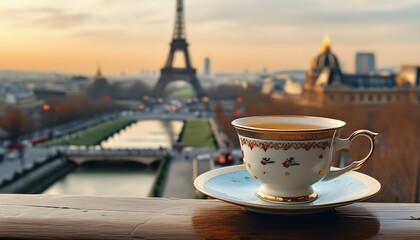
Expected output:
(76, 217)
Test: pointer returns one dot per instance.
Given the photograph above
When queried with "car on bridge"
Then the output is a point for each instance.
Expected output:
(2, 152)
(227, 157)
(224, 158)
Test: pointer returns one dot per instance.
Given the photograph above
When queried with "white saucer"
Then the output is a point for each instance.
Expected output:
(235, 185)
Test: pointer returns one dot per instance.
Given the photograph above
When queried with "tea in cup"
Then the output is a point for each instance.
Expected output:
(288, 154)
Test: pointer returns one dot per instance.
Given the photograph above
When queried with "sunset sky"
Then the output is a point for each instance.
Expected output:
(133, 35)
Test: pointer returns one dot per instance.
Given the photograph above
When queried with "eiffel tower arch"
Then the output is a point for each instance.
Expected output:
(169, 73)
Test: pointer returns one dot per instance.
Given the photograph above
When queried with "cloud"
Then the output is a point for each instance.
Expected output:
(382, 4)
(346, 18)
(301, 12)
(303, 21)
(238, 21)
(62, 20)
(43, 17)
(118, 2)
(107, 36)
(134, 12)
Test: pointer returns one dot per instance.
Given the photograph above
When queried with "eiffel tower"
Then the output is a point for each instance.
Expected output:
(169, 73)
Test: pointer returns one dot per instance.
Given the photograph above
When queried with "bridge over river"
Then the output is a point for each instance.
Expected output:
(144, 156)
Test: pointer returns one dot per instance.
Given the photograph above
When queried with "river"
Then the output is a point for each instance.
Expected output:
(121, 180)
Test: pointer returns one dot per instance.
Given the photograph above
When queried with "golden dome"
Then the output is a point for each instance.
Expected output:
(326, 45)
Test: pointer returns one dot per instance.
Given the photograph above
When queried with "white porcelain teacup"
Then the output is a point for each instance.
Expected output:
(288, 154)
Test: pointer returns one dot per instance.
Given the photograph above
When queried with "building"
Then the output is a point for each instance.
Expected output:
(280, 86)
(20, 97)
(365, 63)
(99, 87)
(327, 84)
(62, 88)
(409, 75)
(207, 66)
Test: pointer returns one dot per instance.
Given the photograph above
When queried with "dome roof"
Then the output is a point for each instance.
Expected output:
(99, 74)
(326, 59)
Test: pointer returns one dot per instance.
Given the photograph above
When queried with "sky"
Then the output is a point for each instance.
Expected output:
(128, 36)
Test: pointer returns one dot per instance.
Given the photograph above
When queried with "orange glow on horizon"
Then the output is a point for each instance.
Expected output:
(118, 59)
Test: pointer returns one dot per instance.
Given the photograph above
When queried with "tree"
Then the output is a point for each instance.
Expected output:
(15, 122)
(99, 88)
(133, 91)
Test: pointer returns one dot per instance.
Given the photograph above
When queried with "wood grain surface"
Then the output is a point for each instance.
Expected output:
(77, 217)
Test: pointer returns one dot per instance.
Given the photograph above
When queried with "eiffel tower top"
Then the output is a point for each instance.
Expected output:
(179, 30)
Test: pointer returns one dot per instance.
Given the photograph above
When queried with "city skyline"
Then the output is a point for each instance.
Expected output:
(128, 35)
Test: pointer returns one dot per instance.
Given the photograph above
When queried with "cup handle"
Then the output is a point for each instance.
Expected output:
(345, 144)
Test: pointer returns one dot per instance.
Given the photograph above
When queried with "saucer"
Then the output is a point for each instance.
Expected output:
(235, 185)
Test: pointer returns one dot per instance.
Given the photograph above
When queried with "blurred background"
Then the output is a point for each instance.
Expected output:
(135, 97)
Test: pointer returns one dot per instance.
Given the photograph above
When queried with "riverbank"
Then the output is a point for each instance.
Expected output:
(160, 178)
(40, 177)
(90, 136)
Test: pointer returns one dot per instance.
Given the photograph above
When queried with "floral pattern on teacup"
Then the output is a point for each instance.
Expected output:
(265, 161)
(284, 145)
(290, 162)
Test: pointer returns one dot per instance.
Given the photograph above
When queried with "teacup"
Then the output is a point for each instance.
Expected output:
(288, 154)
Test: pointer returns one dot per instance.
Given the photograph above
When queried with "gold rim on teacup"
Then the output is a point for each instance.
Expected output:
(322, 132)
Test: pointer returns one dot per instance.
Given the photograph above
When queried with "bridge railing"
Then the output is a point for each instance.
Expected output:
(117, 152)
